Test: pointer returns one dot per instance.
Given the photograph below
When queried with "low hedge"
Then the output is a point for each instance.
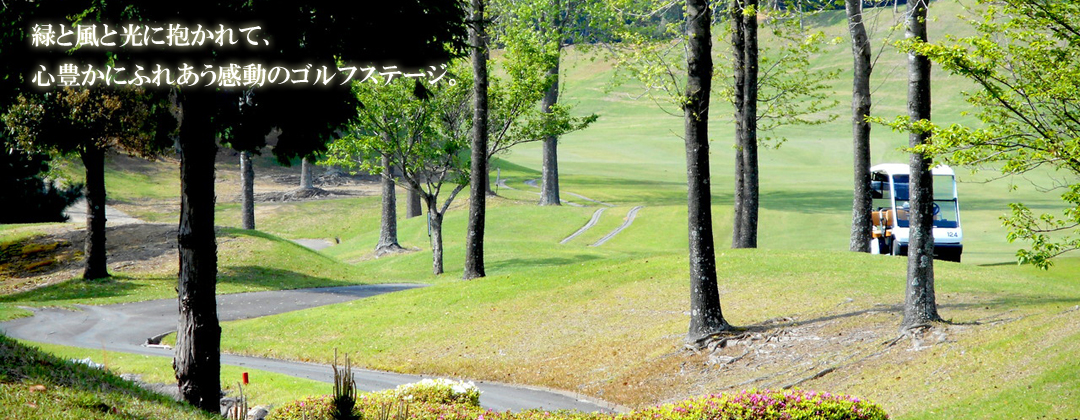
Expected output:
(434, 402)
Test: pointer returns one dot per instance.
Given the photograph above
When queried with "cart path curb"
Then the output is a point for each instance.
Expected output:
(589, 225)
(629, 220)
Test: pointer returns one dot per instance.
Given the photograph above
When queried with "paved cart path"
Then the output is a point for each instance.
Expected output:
(630, 216)
(126, 328)
(588, 225)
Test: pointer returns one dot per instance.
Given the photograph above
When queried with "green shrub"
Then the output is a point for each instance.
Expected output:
(307, 408)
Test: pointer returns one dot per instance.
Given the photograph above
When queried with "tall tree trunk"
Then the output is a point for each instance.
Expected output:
(435, 220)
(706, 317)
(198, 339)
(247, 191)
(490, 182)
(307, 180)
(860, 111)
(549, 188)
(93, 159)
(920, 306)
(746, 216)
(474, 237)
(388, 240)
(413, 207)
(738, 53)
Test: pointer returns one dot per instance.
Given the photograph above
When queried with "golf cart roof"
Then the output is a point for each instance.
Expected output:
(904, 169)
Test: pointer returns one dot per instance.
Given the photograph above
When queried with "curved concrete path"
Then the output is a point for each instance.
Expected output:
(127, 327)
(533, 183)
(626, 223)
(76, 213)
(592, 222)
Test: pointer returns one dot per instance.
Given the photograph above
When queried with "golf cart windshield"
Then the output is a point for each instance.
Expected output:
(946, 214)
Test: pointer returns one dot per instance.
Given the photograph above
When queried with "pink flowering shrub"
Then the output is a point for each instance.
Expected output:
(765, 405)
(747, 405)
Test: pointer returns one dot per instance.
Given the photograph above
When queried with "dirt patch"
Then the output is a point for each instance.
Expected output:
(58, 255)
(326, 178)
(846, 350)
(305, 194)
(277, 184)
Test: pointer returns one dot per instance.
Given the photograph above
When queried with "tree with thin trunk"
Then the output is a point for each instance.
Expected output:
(388, 239)
(307, 181)
(354, 152)
(520, 83)
(920, 305)
(706, 317)
(433, 156)
(247, 191)
(90, 122)
(549, 175)
(744, 41)
(247, 128)
(552, 26)
(474, 236)
(412, 204)
(425, 133)
(860, 114)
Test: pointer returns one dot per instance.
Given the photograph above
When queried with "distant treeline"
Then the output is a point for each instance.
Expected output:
(657, 20)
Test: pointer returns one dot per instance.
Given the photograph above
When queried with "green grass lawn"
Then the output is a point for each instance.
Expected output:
(263, 388)
(608, 321)
(38, 385)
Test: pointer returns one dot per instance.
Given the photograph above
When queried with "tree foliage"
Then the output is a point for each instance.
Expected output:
(1029, 107)
(791, 91)
(424, 132)
(69, 120)
(514, 95)
(26, 181)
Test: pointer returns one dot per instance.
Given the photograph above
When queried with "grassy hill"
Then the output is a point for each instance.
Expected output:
(608, 321)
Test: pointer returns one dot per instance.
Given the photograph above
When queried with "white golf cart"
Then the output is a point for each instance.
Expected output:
(889, 189)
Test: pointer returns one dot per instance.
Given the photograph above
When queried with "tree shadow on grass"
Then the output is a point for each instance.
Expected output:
(1004, 303)
(79, 289)
(230, 280)
(519, 263)
(631, 191)
(251, 278)
(813, 202)
(506, 165)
